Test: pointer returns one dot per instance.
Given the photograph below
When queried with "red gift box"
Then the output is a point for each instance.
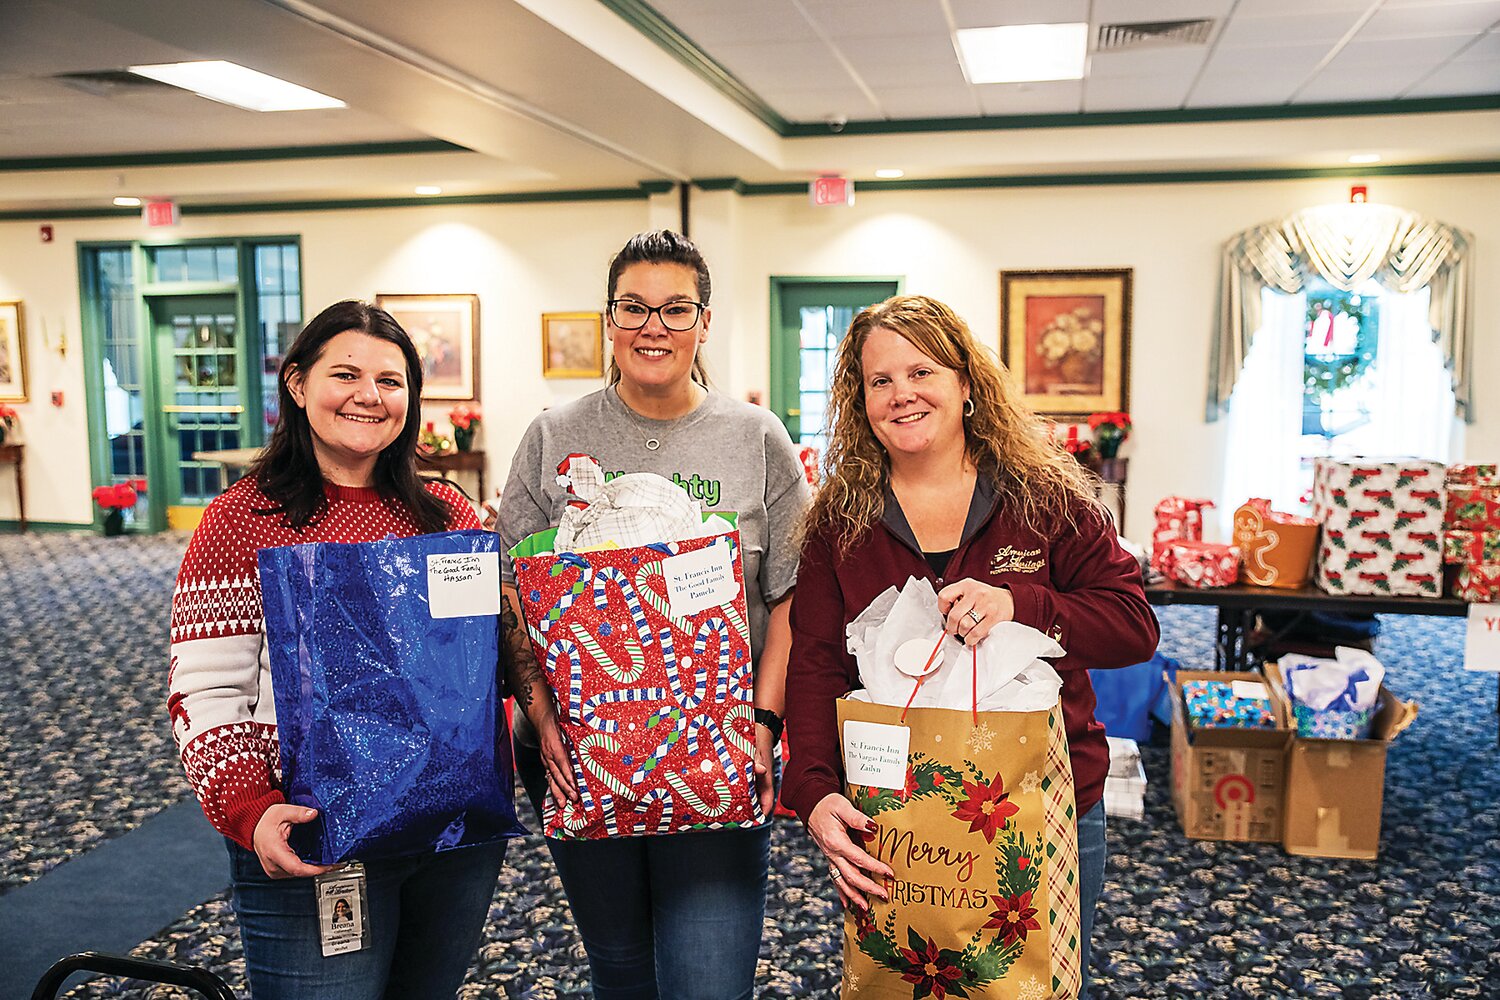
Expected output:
(1176, 518)
(1478, 584)
(1467, 548)
(1205, 564)
(1469, 474)
(1473, 508)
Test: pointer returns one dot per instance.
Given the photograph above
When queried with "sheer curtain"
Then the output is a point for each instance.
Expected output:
(1415, 407)
(1262, 457)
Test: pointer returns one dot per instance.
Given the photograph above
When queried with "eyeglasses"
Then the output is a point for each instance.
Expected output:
(632, 314)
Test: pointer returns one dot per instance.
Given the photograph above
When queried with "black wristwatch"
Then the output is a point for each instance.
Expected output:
(770, 720)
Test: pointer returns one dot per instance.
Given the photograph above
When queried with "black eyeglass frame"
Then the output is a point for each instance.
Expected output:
(610, 310)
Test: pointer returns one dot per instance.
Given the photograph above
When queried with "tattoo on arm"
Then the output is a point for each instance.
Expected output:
(523, 673)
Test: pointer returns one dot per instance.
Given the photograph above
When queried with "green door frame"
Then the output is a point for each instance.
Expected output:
(250, 352)
(788, 294)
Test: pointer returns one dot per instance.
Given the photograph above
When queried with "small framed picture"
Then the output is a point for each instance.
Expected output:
(572, 345)
(445, 329)
(12, 354)
(1065, 336)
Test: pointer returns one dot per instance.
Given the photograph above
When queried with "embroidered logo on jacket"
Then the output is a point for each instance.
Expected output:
(1009, 559)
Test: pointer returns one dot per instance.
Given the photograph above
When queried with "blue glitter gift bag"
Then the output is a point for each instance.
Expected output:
(384, 665)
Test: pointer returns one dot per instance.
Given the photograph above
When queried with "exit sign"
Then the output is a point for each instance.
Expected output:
(160, 213)
(831, 191)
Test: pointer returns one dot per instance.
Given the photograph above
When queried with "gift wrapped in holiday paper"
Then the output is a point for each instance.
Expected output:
(1204, 564)
(1469, 474)
(384, 666)
(1176, 518)
(1473, 508)
(1467, 548)
(1382, 526)
(1333, 699)
(1477, 583)
(1233, 704)
(647, 650)
(1277, 548)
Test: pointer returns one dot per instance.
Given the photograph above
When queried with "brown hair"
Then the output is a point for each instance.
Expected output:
(661, 247)
(1039, 483)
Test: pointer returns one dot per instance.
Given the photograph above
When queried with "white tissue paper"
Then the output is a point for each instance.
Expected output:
(1319, 683)
(635, 509)
(1011, 676)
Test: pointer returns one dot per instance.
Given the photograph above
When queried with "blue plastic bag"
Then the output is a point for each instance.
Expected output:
(1125, 698)
(389, 718)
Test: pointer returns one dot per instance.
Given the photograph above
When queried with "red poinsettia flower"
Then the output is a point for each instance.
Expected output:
(1014, 916)
(911, 785)
(986, 808)
(930, 970)
(864, 922)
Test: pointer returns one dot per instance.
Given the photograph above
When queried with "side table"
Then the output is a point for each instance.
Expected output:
(15, 454)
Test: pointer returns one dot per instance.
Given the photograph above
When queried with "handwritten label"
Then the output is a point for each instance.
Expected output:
(1248, 689)
(699, 580)
(1482, 640)
(462, 584)
(875, 754)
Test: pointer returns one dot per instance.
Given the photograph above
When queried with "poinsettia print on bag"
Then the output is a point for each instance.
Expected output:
(658, 707)
(982, 838)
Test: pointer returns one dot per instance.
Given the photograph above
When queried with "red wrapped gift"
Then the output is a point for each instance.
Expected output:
(1473, 508)
(1176, 518)
(1478, 584)
(1467, 548)
(1469, 474)
(1205, 564)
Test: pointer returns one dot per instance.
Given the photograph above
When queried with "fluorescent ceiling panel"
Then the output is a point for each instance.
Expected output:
(1022, 53)
(231, 83)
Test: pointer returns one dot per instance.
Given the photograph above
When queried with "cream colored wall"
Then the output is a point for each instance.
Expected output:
(522, 260)
(952, 245)
(527, 259)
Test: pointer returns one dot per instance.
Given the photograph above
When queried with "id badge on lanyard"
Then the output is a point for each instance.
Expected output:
(343, 909)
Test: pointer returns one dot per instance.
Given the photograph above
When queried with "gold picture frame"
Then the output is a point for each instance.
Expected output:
(445, 329)
(1065, 336)
(572, 345)
(13, 354)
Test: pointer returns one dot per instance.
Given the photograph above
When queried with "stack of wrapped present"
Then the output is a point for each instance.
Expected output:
(1382, 526)
(1237, 704)
(1125, 785)
(1471, 532)
(1177, 519)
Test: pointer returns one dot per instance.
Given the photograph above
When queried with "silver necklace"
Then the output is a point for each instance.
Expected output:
(653, 441)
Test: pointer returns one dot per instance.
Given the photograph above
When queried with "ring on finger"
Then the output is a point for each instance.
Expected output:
(975, 618)
(834, 873)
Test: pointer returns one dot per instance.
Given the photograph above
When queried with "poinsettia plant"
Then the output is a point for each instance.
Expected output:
(463, 416)
(116, 496)
(1110, 431)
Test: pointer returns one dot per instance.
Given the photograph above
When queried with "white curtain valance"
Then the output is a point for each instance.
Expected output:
(1345, 245)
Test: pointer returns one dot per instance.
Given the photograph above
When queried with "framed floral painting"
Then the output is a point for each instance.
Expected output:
(12, 354)
(1065, 336)
(445, 329)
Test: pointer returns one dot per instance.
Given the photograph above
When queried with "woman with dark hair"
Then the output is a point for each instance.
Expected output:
(671, 916)
(341, 467)
(937, 471)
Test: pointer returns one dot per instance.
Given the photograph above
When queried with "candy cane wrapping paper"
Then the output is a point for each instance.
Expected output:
(658, 708)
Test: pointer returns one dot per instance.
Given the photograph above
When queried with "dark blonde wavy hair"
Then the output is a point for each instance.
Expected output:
(1039, 483)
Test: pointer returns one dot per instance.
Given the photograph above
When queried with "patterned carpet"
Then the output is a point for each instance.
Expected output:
(85, 755)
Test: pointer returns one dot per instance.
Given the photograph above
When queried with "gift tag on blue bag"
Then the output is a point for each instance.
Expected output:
(384, 664)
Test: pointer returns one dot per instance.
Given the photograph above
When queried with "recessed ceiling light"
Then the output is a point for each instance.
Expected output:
(123, 202)
(428, 189)
(1365, 158)
(1015, 53)
(231, 83)
(890, 172)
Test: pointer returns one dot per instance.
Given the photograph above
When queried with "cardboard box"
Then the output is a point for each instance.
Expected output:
(1334, 788)
(1228, 784)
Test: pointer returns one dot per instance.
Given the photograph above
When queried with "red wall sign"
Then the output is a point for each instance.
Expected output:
(831, 191)
(160, 213)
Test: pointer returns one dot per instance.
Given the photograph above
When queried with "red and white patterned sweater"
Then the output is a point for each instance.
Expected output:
(220, 702)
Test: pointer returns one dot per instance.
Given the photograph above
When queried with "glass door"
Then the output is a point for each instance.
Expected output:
(198, 353)
(809, 317)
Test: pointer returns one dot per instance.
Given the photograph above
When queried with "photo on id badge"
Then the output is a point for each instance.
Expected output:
(341, 921)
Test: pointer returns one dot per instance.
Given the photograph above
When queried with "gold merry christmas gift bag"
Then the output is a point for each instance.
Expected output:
(981, 832)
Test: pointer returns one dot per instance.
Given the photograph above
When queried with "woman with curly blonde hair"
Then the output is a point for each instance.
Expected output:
(935, 469)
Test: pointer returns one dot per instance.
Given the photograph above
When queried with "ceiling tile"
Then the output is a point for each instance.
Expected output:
(1135, 93)
(1229, 90)
(993, 13)
(1133, 11)
(1166, 61)
(1399, 52)
(784, 66)
(1434, 19)
(820, 104)
(1275, 8)
(877, 18)
(1366, 83)
(1324, 27)
(1289, 60)
(909, 62)
(1459, 78)
(929, 102)
(709, 24)
(1487, 47)
(1049, 98)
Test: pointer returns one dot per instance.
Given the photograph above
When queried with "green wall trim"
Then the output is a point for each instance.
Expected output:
(643, 18)
(192, 157)
(13, 527)
(1123, 177)
(720, 184)
(343, 204)
(657, 187)
(1165, 116)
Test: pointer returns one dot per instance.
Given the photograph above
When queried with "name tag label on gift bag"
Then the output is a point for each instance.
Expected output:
(875, 754)
(697, 581)
(463, 584)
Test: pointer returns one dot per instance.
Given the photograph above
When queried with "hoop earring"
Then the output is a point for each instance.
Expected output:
(969, 407)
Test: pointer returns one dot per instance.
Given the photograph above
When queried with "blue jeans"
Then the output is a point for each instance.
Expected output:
(675, 916)
(1091, 853)
(426, 915)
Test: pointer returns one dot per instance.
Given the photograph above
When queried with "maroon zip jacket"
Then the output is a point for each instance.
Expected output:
(1081, 588)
